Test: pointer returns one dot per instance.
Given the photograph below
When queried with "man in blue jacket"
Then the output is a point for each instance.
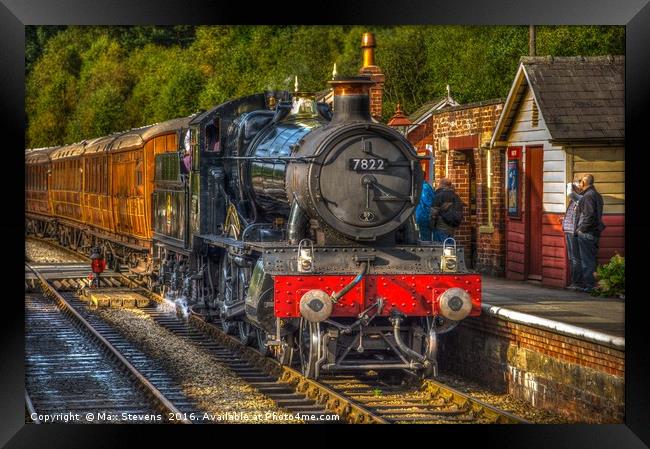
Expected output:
(423, 211)
(589, 226)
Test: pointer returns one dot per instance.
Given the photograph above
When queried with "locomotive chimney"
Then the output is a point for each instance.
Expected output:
(368, 49)
(351, 98)
(368, 45)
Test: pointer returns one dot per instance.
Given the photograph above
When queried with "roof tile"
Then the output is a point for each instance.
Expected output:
(579, 97)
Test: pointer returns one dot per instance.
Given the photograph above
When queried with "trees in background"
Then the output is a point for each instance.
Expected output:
(84, 82)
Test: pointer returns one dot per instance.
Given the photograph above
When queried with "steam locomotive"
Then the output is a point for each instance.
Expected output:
(288, 222)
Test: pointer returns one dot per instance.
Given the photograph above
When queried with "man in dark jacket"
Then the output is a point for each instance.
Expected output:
(447, 211)
(589, 226)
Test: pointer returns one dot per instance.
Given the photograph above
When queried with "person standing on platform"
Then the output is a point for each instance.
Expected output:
(589, 226)
(569, 228)
(447, 211)
(423, 211)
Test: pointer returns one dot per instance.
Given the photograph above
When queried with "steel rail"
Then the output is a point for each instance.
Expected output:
(162, 402)
(479, 407)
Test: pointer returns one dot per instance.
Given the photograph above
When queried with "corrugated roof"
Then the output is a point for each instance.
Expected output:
(137, 137)
(100, 144)
(579, 97)
(66, 151)
(426, 107)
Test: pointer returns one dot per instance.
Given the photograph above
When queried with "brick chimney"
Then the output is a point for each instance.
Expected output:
(370, 69)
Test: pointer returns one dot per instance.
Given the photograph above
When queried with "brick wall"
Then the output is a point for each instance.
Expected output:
(478, 119)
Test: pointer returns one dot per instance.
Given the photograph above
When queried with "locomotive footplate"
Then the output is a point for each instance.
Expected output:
(344, 260)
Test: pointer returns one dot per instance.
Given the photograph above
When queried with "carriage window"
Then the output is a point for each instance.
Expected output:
(96, 175)
(138, 172)
(105, 176)
(88, 176)
(167, 167)
(76, 176)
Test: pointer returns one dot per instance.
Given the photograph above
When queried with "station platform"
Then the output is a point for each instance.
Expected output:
(596, 314)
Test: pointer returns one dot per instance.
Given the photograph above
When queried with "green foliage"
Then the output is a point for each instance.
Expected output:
(179, 94)
(580, 40)
(611, 278)
(103, 87)
(35, 39)
(51, 89)
(86, 81)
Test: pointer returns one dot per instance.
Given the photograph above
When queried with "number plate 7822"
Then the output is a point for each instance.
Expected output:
(367, 164)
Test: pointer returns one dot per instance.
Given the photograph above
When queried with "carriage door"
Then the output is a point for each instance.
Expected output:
(128, 188)
(534, 210)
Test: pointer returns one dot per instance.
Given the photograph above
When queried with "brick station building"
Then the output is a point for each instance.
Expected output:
(459, 139)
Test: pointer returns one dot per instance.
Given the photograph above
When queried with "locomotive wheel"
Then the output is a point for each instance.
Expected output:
(229, 327)
(225, 292)
(308, 344)
(246, 332)
(260, 339)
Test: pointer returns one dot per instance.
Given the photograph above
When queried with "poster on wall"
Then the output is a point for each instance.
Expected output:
(514, 206)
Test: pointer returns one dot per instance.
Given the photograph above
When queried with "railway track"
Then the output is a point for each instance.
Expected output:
(366, 398)
(407, 401)
(294, 403)
(362, 398)
(74, 374)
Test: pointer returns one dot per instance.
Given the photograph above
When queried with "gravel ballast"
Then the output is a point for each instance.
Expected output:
(39, 251)
(215, 388)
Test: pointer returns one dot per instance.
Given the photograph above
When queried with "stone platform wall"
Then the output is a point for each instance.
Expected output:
(582, 380)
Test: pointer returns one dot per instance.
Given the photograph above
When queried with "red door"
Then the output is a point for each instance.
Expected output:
(534, 208)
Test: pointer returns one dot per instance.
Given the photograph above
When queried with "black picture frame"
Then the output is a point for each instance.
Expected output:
(514, 188)
(15, 14)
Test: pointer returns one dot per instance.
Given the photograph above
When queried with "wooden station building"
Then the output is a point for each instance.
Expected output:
(563, 118)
